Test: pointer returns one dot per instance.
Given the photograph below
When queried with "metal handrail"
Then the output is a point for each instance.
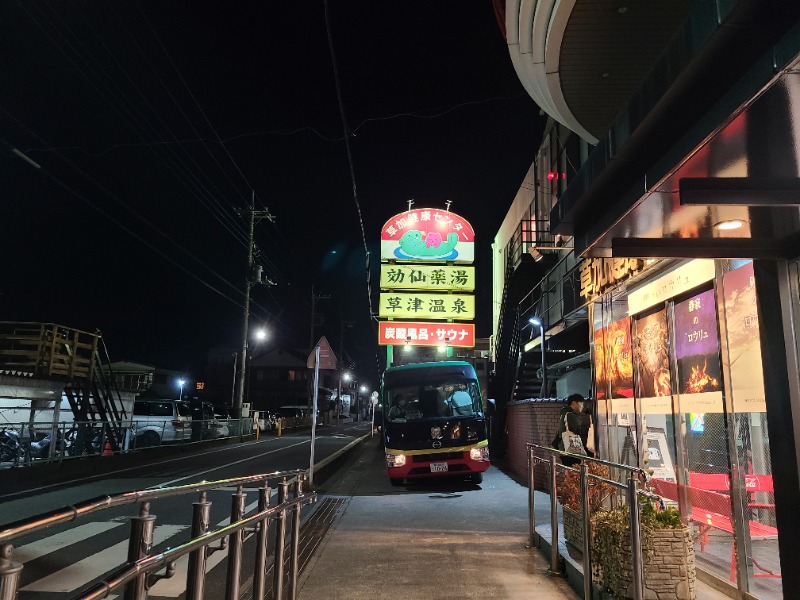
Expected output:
(636, 475)
(70, 513)
(139, 572)
(153, 563)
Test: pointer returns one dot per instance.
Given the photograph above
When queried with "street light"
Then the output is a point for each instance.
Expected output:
(536, 321)
(343, 375)
(259, 335)
(181, 382)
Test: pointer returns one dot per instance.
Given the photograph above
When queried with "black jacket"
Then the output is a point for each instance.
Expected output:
(578, 423)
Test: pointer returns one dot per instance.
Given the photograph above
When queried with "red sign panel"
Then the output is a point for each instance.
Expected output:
(461, 335)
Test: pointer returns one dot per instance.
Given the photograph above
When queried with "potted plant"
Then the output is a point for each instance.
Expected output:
(669, 569)
(569, 493)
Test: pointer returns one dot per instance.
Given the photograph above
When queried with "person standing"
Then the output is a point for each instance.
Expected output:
(572, 415)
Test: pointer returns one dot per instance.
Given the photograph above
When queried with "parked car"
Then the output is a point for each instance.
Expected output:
(221, 426)
(161, 421)
(205, 424)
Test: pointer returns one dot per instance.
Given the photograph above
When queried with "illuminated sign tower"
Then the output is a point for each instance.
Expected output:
(427, 281)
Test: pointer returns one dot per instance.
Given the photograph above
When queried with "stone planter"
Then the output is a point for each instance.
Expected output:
(573, 527)
(669, 572)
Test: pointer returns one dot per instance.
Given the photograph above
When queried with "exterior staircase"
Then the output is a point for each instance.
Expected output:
(55, 352)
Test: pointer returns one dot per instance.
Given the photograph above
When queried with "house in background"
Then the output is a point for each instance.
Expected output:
(150, 380)
(274, 379)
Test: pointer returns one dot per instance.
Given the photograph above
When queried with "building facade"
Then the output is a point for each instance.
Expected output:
(662, 220)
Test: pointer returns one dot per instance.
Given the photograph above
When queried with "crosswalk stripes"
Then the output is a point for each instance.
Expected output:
(83, 571)
(80, 573)
(58, 541)
(176, 585)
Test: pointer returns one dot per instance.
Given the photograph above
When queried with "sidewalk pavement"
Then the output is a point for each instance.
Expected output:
(443, 540)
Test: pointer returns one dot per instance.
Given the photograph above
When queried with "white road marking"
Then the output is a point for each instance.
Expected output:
(225, 466)
(60, 540)
(82, 572)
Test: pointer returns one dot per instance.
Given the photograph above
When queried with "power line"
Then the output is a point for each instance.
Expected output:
(141, 124)
(114, 220)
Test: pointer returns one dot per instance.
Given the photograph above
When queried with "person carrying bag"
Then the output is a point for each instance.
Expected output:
(568, 437)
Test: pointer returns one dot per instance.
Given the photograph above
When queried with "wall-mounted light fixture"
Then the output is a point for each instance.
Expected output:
(535, 321)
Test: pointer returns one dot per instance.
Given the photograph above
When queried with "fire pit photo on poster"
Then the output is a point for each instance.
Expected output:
(696, 344)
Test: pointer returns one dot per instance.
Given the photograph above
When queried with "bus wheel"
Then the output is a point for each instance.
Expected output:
(396, 481)
(476, 478)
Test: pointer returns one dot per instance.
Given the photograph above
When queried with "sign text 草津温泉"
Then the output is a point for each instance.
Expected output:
(427, 306)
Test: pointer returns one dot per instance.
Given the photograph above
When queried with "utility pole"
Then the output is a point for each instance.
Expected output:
(314, 298)
(341, 362)
(313, 344)
(253, 276)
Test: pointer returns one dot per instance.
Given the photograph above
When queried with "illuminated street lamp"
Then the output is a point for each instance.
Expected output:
(181, 382)
(538, 322)
(259, 336)
(363, 390)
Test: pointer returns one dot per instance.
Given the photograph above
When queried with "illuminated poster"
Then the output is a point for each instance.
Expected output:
(744, 343)
(697, 353)
(428, 235)
(600, 374)
(652, 356)
(620, 361)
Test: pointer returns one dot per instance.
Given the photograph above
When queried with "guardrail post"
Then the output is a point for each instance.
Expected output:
(139, 545)
(636, 539)
(531, 513)
(235, 546)
(294, 557)
(260, 573)
(280, 541)
(587, 546)
(10, 573)
(196, 574)
(553, 518)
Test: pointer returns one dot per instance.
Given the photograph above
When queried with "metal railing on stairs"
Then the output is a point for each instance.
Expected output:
(55, 352)
(135, 577)
(623, 485)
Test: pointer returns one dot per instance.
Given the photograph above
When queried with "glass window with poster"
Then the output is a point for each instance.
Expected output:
(699, 384)
(653, 384)
(745, 378)
(620, 379)
(613, 380)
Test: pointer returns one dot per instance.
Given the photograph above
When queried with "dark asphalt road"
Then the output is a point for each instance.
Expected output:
(67, 558)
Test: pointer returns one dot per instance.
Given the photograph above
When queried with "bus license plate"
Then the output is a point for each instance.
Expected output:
(438, 467)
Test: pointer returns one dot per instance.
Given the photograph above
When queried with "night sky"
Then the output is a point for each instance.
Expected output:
(155, 122)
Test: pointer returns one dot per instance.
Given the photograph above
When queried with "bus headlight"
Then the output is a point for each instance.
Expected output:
(395, 460)
(480, 454)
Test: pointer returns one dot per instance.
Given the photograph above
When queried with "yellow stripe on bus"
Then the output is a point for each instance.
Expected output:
(439, 450)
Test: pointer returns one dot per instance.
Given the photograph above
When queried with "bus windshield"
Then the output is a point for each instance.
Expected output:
(419, 401)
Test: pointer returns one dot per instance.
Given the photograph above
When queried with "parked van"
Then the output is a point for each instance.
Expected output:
(161, 421)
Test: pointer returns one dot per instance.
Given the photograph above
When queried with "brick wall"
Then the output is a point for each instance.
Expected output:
(534, 422)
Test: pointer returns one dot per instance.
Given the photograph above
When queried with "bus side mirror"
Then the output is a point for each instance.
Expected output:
(491, 407)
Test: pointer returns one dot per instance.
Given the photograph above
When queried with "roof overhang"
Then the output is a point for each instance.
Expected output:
(746, 171)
